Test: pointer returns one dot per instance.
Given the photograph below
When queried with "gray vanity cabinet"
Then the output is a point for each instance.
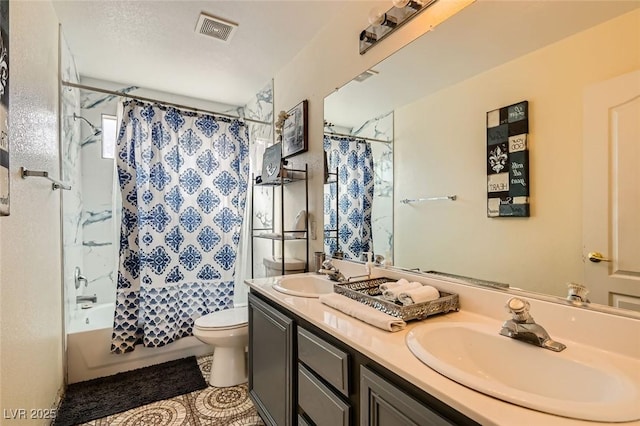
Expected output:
(384, 404)
(300, 374)
(271, 364)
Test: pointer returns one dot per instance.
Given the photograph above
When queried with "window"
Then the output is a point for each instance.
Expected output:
(109, 128)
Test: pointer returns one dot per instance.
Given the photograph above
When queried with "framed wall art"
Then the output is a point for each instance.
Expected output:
(508, 161)
(4, 108)
(295, 131)
(271, 163)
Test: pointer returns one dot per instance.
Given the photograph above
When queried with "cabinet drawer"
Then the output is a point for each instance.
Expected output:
(319, 402)
(326, 360)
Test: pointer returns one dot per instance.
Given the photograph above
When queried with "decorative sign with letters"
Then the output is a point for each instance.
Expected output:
(508, 161)
(4, 108)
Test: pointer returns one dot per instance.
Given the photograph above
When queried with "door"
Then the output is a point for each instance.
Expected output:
(611, 191)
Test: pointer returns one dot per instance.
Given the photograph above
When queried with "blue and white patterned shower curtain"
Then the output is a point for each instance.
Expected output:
(183, 178)
(353, 160)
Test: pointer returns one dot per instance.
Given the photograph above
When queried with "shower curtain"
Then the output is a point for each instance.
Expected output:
(183, 178)
(353, 160)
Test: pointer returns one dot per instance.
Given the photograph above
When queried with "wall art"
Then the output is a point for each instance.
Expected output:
(295, 130)
(508, 161)
(4, 108)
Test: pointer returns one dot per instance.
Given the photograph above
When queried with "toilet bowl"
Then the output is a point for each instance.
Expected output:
(228, 332)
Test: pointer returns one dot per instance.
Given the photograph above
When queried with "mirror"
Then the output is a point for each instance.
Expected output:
(437, 92)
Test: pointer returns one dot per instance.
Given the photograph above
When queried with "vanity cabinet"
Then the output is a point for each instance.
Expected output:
(271, 354)
(300, 373)
(384, 404)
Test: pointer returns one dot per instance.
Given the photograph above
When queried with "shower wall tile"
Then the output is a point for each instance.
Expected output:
(71, 174)
(260, 108)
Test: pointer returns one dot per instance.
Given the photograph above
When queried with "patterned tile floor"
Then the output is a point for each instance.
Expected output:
(211, 406)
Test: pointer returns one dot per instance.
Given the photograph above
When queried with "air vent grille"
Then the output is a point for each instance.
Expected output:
(215, 27)
(365, 75)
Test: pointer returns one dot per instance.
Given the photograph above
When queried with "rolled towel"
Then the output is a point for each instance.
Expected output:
(363, 312)
(426, 293)
(393, 293)
(393, 284)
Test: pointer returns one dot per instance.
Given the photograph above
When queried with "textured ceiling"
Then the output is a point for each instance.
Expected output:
(153, 44)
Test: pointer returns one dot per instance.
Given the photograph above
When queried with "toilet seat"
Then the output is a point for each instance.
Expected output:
(227, 319)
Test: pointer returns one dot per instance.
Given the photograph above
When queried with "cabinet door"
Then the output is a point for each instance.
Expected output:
(270, 362)
(384, 404)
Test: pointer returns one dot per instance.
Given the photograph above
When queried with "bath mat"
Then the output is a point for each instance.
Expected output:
(97, 398)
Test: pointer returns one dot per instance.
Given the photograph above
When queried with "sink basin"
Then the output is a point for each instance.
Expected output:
(304, 286)
(581, 382)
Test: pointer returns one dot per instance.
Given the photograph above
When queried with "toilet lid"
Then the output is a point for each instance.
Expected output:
(228, 318)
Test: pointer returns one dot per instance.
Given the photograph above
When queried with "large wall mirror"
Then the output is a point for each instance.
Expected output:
(424, 109)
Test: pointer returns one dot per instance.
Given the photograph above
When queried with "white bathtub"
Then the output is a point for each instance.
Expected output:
(98, 316)
(89, 347)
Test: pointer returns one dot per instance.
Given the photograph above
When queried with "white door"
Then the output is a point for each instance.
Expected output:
(611, 192)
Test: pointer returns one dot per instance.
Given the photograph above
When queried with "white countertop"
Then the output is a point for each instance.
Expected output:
(389, 350)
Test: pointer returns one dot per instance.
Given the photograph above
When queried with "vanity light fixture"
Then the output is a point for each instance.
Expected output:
(415, 5)
(384, 23)
(380, 18)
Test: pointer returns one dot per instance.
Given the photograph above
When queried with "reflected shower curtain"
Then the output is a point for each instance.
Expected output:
(183, 178)
(353, 160)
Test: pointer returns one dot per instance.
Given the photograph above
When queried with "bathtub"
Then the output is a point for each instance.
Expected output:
(89, 347)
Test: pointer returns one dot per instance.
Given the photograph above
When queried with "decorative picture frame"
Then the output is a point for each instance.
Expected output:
(4, 108)
(508, 185)
(271, 163)
(295, 131)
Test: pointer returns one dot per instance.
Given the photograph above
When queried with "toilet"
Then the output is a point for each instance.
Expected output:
(273, 266)
(228, 332)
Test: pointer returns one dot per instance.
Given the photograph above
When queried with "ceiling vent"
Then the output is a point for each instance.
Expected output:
(365, 75)
(215, 27)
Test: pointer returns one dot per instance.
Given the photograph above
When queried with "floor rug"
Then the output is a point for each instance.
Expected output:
(97, 398)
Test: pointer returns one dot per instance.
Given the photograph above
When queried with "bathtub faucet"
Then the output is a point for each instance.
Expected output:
(92, 299)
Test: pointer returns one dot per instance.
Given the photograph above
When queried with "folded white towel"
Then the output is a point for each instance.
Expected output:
(363, 312)
(393, 293)
(393, 284)
(426, 293)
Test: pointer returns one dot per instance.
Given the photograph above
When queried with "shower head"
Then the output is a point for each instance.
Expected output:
(96, 130)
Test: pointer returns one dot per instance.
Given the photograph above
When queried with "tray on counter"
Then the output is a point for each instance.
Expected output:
(368, 292)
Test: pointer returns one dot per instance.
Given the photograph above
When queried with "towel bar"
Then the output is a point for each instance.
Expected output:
(54, 185)
(419, 200)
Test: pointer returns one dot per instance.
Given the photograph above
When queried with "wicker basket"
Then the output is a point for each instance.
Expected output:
(369, 293)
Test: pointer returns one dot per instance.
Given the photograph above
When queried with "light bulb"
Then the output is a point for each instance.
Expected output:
(376, 17)
(414, 4)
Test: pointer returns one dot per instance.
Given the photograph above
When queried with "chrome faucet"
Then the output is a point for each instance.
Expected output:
(577, 293)
(92, 299)
(522, 327)
(335, 275)
(331, 271)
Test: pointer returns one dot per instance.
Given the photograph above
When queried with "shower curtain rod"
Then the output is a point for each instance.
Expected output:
(141, 98)
(356, 137)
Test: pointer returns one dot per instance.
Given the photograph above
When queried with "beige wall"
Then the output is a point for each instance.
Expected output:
(329, 61)
(440, 141)
(31, 364)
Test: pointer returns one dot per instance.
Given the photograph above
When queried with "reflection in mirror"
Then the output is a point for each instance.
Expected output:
(437, 91)
(358, 194)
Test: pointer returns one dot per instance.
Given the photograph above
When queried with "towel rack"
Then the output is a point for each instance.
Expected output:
(54, 185)
(419, 200)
